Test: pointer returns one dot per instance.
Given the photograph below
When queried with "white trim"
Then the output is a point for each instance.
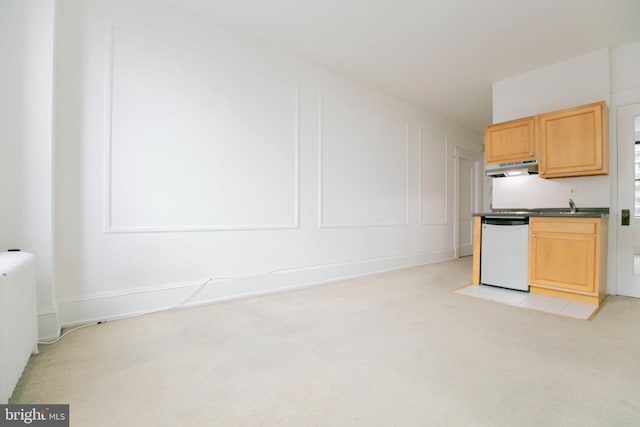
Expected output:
(109, 228)
(408, 167)
(619, 100)
(476, 157)
(320, 137)
(627, 281)
(357, 225)
(624, 98)
(176, 229)
(321, 223)
(108, 126)
(133, 302)
(48, 326)
(420, 174)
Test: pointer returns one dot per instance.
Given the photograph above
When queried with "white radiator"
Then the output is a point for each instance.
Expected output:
(18, 318)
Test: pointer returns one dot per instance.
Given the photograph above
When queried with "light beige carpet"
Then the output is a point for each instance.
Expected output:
(394, 349)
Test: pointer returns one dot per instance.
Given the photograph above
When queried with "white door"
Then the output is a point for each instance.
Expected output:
(628, 255)
(468, 179)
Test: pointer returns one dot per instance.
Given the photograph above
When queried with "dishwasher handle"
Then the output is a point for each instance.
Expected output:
(506, 221)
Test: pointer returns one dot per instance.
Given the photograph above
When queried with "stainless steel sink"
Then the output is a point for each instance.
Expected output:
(550, 212)
(587, 213)
(558, 213)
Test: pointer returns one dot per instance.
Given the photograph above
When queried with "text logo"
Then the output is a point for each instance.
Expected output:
(34, 415)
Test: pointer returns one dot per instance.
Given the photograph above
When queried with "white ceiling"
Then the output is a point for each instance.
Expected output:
(442, 55)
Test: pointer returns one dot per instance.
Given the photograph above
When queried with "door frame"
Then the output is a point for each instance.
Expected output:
(478, 168)
(624, 239)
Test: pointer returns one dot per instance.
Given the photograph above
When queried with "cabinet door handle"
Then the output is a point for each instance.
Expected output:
(533, 236)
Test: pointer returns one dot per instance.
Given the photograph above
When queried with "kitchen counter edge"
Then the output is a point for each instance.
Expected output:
(550, 212)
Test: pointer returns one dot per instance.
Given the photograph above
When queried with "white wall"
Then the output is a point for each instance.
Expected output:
(576, 81)
(184, 153)
(11, 87)
(26, 46)
(625, 79)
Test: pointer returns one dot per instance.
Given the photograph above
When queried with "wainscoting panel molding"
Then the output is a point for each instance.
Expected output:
(434, 179)
(197, 141)
(363, 165)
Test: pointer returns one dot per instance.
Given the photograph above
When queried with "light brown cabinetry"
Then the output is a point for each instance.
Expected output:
(475, 275)
(573, 142)
(567, 258)
(510, 141)
(569, 142)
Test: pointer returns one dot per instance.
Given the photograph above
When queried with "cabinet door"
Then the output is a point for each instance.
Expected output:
(563, 255)
(510, 141)
(573, 142)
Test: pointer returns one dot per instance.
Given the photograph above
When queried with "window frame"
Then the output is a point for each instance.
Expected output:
(636, 206)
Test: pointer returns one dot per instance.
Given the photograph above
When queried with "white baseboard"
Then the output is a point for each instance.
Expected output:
(48, 326)
(122, 304)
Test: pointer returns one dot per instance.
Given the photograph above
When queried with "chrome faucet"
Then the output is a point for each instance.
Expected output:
(573, 206)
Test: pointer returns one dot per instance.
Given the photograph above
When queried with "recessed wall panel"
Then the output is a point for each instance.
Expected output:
(363, 164)
(198, 141)
(433, 179)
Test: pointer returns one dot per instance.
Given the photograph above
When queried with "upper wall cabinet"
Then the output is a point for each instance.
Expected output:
(510, 141)
(570, 142)
(573, 142)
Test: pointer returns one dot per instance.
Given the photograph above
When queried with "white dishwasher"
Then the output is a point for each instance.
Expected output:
(504, 254)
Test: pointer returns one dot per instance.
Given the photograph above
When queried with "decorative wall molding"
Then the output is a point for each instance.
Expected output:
(129, 303)
(321, 200)
(421, 171)
(108, 171)
(320, 110)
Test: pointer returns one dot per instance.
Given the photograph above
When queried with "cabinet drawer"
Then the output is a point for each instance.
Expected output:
(561, 225)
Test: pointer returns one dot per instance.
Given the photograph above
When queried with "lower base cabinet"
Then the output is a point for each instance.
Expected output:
(568, 258)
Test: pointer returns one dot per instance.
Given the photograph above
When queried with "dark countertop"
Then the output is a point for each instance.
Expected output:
(546, 212)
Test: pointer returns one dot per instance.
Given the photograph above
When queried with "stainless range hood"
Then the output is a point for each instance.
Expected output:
(524, 167)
